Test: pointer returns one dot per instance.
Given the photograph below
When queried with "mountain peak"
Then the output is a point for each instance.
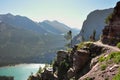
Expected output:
(9, 15)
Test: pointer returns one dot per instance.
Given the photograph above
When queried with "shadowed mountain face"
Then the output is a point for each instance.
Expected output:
(19, 45)
(95, 22)
(24, 41)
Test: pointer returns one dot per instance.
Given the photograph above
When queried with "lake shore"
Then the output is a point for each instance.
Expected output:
(20, 71)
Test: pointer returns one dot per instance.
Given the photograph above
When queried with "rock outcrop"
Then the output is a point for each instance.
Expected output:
(111, 32)
(71, 64)
(6, 78)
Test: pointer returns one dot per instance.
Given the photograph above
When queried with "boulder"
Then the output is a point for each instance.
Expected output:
(80, 57)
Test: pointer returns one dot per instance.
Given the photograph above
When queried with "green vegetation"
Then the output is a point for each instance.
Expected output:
(114, 57)
(103, 67)
(107, 20)
(40, 70)
(68, 37)
(118, 45)
(88, 78)
(84, 44)
(117, 76)
(92, 37)
(23, 45)
(69, 49)
(101, 59)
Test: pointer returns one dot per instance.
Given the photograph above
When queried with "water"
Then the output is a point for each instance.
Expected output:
(21, 71)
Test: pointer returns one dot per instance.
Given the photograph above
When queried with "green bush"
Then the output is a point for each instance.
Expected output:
(103, 67)
(118, 45)
(101, 59)
(107, 20)
(88, 78)
(69, 49)
(80, 45)
(84, 44)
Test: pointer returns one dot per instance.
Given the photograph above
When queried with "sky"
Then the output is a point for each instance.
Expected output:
(69, 12)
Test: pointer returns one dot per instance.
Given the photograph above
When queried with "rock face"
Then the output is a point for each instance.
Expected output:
(71, 64)
(111, 32)
(6, 78)
(80, 57)
(95, 22)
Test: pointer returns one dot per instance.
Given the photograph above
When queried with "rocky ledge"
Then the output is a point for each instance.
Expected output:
(6, 78)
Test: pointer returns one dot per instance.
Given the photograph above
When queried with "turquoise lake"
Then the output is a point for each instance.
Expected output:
(21, 71)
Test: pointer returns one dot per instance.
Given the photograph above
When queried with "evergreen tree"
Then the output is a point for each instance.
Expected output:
(68, 37)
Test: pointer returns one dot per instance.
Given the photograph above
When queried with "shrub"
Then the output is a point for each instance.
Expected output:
(107, 20)
(69, 49)
(40, 70)
(101, 59)
(103, 67)
(80, 45)
(84, 44)
(118, 45)
(88, 78)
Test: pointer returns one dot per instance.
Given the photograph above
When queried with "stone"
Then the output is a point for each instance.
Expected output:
(80, 57)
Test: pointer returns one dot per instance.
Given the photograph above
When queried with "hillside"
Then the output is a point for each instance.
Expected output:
(25, 41)
(18, 45)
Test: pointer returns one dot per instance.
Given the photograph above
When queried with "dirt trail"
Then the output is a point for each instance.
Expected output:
(108, 46)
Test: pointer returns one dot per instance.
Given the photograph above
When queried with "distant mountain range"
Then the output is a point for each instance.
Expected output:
(95, 22)
(24, 41)
(51, 27)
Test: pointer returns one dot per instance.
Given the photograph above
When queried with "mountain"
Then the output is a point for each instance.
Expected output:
(95, 22)
(54, 27)
(18, 45)
(22, 22)
(24, 41)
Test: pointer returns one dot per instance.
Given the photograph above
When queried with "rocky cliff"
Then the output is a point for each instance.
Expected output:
(86, 61)
(6, 78)
(95, 22)
(111, 32)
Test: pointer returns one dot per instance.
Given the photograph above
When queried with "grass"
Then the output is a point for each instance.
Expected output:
(101, 59)
(118, 45)
(84, 44)
(114, 56)
(117, 76)
(103, 67)
(88, 78)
